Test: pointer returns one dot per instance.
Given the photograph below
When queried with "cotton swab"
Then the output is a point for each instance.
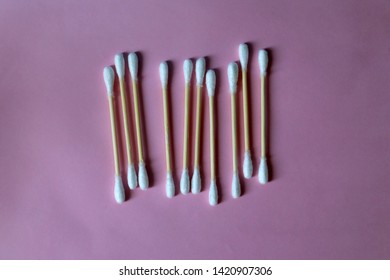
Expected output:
(200, 71)
(109, 76)
(185, 179)
(263, 168)
(170, 186)
(210, 84)
(143, 179)
(243, 53)
(233, 76)
(120, 70)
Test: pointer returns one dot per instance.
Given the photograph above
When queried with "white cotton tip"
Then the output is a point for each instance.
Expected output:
(263, 171)
(132, 59)
(119, 191)
(109, 77)
(187, 68)
(200, 70)
(213, 193)
(164, 73)
(243, 53)
(131, 177)
(185, 182)
(247, 167)
(143, 179)
(120, 65)
(210, 82)
(263, 62)
(170, 185)
(236, 188)
(195, 181)
(233, 77)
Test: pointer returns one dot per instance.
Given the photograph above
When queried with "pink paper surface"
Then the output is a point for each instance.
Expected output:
(329, 130)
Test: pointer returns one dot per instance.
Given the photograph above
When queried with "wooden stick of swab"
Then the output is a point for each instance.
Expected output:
(233, 76)
(109, 76)
(200, 69)
(120, 70)
(185, 178)
(170, 186)
(263, 168)
(210, 84)
(143, 179)
(247, 166)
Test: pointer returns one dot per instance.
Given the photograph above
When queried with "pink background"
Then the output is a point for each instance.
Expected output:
(329, 130)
